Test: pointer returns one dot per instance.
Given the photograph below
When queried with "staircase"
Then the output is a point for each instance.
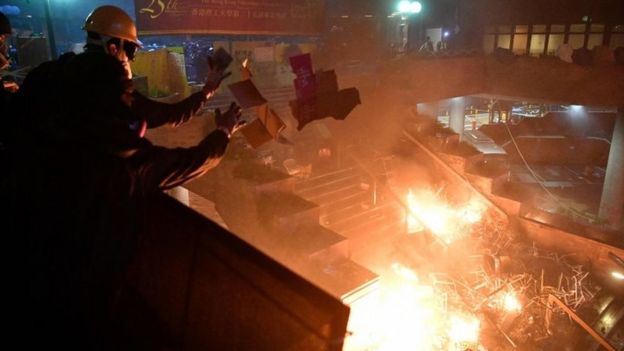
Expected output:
(352, 205)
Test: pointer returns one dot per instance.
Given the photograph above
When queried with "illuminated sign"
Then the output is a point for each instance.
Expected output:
(286, 17)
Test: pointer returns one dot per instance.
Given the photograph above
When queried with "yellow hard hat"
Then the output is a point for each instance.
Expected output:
(112, 21)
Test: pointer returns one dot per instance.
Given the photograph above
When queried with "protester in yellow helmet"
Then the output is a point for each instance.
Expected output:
(111, 30)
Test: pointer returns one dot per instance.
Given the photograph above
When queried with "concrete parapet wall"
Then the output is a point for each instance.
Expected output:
(554, 80)
(541, 79)
(435, 79)
(209, 290)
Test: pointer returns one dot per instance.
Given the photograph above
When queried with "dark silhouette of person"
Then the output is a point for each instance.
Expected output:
(77, 182)
(110, 30)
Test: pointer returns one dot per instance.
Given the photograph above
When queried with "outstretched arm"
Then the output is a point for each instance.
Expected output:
(162, 168)
(157, 114)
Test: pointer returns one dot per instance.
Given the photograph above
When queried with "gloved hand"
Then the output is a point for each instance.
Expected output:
(216, 75)
(230, 121)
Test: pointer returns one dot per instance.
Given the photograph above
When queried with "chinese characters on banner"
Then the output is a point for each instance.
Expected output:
(287, 17)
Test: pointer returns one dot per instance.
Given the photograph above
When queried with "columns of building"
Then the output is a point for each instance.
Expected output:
(457, 115)
(612, 200)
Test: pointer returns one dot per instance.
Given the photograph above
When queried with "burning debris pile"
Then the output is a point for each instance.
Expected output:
(465, 284)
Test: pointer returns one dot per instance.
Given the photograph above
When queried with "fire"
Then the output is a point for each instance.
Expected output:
(447, 222)
(511, 303)
(464, 329)
(405, 314)
(245, 71)
(402, 315)
(413, 225)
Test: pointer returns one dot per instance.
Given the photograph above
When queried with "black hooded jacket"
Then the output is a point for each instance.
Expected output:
(77, 176)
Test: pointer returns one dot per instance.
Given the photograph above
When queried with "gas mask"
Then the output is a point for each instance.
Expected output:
(122, 49)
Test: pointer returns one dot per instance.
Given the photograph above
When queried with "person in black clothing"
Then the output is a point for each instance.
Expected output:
(6, 88)
(77, 188)
(5, 31)
(110, 30)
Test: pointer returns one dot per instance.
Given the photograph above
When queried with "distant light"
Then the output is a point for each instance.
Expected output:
(409, 6)
(415, 7)
(344, 16)
(446, 34)
(617, 275)
(576, 108)
(368, 16)
(404, 6)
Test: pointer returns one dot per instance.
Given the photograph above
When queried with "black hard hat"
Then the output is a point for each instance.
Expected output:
(5, 25)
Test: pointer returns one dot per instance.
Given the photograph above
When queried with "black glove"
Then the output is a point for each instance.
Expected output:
(230, 121)
(217, 64)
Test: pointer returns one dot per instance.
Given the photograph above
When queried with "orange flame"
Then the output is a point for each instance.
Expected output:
(245, 71)
(464, 328)
(511, 303)
(446, 222)
(407, 315)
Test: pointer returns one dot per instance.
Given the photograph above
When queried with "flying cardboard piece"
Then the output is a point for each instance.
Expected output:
(301, 65)
(246, 94)
(305, 82)
(220, 58)
(272, 122)
(318, 95)
(336, 104)
(256, 134)
(268, 126)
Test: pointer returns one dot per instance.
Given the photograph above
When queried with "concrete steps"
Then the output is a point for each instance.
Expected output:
(346, 207)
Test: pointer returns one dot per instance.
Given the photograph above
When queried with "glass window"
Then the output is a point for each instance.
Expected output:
(577, 28)
(504, 29)
(554, 41)
(504, 41)
(522, 28)
(557, 28)
(520, 44)
(539, 28)
(488, 43)
(594, 40)
(619, 28)
(597, 28)
(576, 40)
(537, 44)
(617, 39)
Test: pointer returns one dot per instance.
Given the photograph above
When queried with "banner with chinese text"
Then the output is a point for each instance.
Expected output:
(285, 17)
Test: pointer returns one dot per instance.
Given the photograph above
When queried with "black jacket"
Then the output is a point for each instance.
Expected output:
(76, 181)
(156, 113)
